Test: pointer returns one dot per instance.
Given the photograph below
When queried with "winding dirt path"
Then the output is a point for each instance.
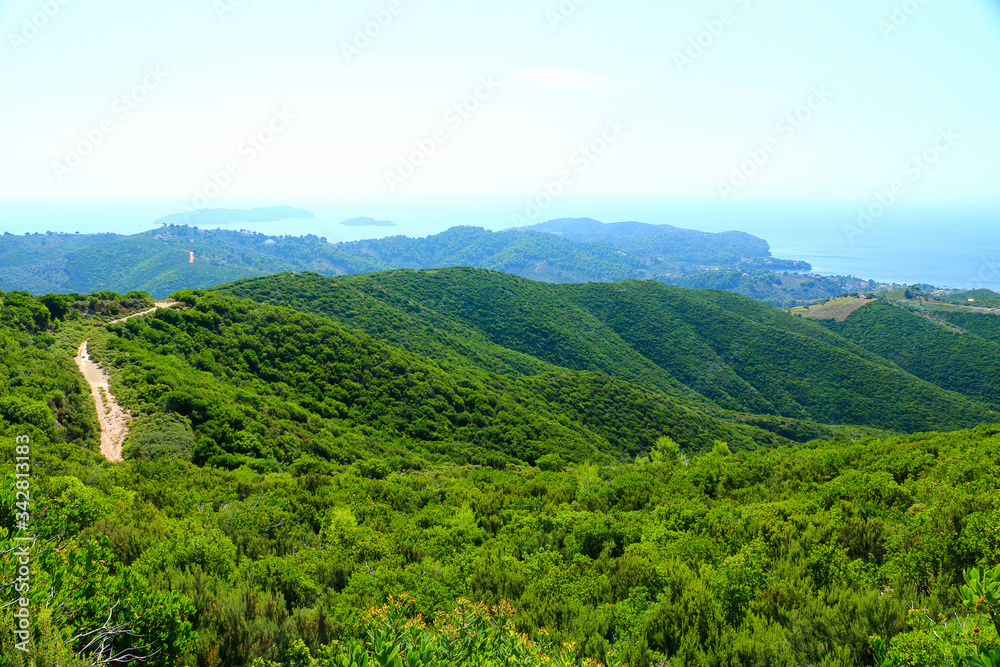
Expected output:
(113, 418)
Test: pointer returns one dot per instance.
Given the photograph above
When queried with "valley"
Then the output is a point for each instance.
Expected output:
(482, 334)
(501, 455)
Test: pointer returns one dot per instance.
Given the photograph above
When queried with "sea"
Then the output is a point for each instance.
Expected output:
(948, 246)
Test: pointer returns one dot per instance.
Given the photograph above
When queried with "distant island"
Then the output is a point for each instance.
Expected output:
(367, 222)
(226, 216)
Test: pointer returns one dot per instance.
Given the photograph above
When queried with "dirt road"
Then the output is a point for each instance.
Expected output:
(159, 304)
(113, 418)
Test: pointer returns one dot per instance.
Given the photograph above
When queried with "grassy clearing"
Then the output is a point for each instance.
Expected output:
(838, 309)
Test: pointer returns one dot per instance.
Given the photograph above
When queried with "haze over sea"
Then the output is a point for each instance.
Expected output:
(944, 246)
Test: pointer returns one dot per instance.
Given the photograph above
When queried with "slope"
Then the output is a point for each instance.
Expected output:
(732, 351)
(422, 312)
(665, 242)
(331, 533)
(782, 290)
(965, 363)
(263, 385)
(158, 261)
(986, 325)
(531, 254)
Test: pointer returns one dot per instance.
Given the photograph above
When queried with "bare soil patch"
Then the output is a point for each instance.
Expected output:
(113, 418)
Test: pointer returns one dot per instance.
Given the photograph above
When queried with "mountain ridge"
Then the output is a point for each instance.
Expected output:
(728, 350)
(158, 261)
(316, 461)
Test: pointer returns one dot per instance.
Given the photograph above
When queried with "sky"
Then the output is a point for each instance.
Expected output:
(211, 101)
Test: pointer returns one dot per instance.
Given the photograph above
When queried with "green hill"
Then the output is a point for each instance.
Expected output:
(535, 255)
(232, 366)
(413, 472)
(178, 257)
(782, 290)
(159, 261)
(175, 257)
(716, 347)
(666, 243)
(962, 362)
(984, 325)
(979, 298)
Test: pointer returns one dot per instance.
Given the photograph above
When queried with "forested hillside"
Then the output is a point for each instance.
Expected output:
(986, 326)
(160, 261)
(949, 357)
(726, 350)
(175, 257)
(670, 245)
(781, 290)
(464, 468)
(269, 387)
(978, 297)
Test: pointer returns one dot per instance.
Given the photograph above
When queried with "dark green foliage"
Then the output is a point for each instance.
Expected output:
(984, 325)
(706, 345)
(670, 245)
(525, 253)
(788, 556)
(351, 500)
(551, 463)
(158, 261)
(37, 262)
(160, 436)
(964, 363)
(782, 290)
(264, 386)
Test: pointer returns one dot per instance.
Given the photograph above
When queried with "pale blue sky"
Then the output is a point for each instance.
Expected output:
(686, 129)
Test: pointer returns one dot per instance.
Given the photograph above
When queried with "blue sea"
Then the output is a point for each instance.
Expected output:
(946, 246)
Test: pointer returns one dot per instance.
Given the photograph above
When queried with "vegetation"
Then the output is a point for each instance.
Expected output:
(839, 308)
(534, 255)
(984, 325)
(928, 348)
(781, 290)
(665, 245)
(159, 261)
(711, 347)
(979, 297)
(263, 385)
(465, 468)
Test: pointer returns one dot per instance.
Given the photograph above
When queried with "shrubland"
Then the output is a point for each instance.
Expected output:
(301, 492)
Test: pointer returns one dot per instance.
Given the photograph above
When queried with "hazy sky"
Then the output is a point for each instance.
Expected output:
(113, 99)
